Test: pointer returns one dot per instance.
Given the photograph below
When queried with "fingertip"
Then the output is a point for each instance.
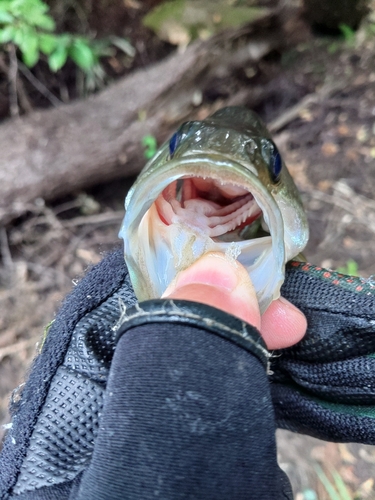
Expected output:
(283, 325)
(216, 281)
(221, 283)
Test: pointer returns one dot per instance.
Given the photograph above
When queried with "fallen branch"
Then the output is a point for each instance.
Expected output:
(51, 153)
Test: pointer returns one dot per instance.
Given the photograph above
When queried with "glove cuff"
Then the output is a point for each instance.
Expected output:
(198, 315)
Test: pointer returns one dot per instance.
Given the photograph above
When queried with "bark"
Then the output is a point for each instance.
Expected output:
(54, 152)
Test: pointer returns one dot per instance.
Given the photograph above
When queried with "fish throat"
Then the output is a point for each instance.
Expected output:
(223, 212)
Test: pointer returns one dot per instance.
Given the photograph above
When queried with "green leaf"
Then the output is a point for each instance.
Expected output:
(58, 58)
(351, 268)
(332, 493)
(82, 54)
(347, 31)
(341, 486)
(29, 46)
(44, 22)
(180, 21)
(18, 35)
(64, 39)
(124, 45)
(47, 43)
(6, 6)
(102, 48)
(7, 34)
(32, 13)
(150, 144)
(5, 17)
(23, 8)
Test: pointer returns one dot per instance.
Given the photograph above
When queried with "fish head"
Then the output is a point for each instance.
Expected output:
(218, 184)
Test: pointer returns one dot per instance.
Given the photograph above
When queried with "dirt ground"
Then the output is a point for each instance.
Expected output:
(320, 106)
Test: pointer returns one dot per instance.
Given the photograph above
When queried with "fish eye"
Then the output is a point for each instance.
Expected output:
(184, 131)
(276, 164)
(272, 159)
(174, 142)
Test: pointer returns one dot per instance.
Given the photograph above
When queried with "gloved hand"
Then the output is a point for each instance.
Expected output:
(168, 399)
(57, 436)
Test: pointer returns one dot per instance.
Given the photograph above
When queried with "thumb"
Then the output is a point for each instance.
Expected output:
(220, 282)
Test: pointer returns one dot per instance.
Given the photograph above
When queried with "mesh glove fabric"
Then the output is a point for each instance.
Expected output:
(325, 385)
(64, 380)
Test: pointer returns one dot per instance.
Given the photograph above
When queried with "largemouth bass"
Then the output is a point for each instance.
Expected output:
(217, 185)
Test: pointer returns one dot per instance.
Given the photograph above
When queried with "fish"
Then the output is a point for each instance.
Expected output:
(221, 185)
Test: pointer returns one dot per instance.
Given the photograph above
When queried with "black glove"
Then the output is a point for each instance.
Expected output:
(173, 404)
(325, 385)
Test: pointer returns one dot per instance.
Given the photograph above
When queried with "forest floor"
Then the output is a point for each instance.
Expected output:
(320, 106)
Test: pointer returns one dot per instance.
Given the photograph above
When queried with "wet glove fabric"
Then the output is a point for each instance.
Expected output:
(176, 424)
(56, 420)
(58, 411)
(325, 385)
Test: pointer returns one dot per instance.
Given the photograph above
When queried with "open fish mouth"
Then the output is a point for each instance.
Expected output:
(198, 204)
(223, 212)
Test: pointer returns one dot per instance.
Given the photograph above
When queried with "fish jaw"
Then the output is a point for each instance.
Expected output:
(155, 252)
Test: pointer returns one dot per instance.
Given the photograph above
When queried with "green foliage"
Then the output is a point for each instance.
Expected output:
(180, 21)
(150, 144)
(347, 32)
(337, 490)
(349, 36)
(46, 330)
(27, 25)
(351, 267)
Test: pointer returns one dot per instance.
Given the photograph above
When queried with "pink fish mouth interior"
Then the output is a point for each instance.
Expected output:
(207, 206)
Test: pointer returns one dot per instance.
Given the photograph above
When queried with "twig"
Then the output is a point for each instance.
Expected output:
(5, 251)
(334, 200)
(47, 271)
(3, 66)
(352, 205)
(12, 76)
(291, 113)
(55, 101)
(52, 220)
(360, 207)
(69, 205)
(53, 255)
(18, 347)
(24, 100)
(100, 219)
(23, 97)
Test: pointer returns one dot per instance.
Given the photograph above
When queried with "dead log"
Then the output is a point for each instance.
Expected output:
(50, 153)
